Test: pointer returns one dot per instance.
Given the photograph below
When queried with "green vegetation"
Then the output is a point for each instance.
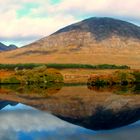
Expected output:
(128, 89)
(87, 66)
(33, 91)
(117, 89)
(136, 74)
(10, 80)
(116, 78)
(74, 84)
(37, 75)
(61, 66)
(19, 66)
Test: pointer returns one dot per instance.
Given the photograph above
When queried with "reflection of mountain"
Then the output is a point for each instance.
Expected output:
(88, 108)
(27, 123)
(104, 118)
(5, 103)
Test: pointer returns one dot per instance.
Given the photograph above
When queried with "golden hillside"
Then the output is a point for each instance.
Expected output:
(92, 41)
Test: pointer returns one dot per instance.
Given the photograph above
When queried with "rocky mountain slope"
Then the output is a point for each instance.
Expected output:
(6, 48)
(91, 41)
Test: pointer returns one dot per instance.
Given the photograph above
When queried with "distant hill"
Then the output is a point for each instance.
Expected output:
(91, 41)
(6, 48)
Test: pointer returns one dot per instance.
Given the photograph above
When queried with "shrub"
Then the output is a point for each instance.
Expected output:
(118, 77)
(10, 80)
(39, 75)
(136, 74)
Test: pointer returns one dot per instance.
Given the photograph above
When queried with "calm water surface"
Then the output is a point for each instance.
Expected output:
(69, 112)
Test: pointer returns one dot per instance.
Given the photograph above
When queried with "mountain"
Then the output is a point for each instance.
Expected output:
(102, 28)
(6, 48)
(91, 41)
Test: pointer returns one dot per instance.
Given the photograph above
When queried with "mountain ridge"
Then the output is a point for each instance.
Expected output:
(4, 47)
(91, 41)
(97, 26)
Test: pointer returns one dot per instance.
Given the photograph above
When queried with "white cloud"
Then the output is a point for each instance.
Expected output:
(126, 8)
(28, 26)
(46, 18)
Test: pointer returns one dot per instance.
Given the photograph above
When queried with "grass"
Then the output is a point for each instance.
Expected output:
(62, 66)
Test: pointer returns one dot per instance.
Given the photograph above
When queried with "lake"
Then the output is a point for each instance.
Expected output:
(65, 112)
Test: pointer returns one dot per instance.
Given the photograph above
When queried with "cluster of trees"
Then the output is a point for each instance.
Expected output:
(37, 75)
(62, 66)
(116, 78)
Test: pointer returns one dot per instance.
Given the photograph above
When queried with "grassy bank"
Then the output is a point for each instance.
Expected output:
(62, 66)
(104, 74)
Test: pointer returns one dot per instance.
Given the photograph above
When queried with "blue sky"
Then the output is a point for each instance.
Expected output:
(25, 21)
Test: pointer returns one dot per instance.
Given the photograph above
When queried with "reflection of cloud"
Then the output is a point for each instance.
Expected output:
(8, 135)
(29, 120)
(130, 133)
(22, 122)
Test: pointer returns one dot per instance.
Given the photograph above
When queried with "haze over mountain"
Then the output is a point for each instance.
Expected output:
(6, 48)
(91, 41)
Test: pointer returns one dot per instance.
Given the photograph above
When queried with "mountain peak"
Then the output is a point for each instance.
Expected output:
(3, 47)
(91, 41)
(104, 27)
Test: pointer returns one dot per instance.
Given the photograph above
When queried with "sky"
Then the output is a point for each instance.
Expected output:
(25, 21)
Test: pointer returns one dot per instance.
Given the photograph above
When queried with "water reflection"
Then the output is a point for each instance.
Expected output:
(118, 89)
(22, 122)
(96, 109)
(5, 103)
(34, 90)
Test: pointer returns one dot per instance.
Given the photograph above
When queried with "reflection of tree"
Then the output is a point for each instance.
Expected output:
(137, 89)
(34, 90)
(9, 87)
(118, 89)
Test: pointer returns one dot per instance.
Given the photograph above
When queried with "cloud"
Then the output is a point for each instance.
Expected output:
(19, 19)
(110, 7)
(29, 18)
